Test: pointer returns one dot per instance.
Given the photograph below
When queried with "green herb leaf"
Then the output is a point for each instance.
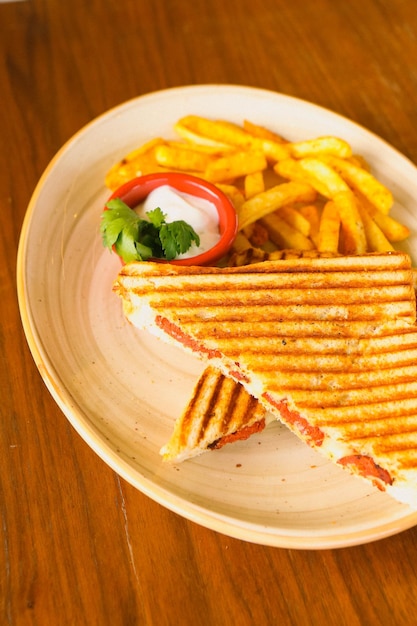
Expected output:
(117, 219)
(177, 237)
(137, 239)
(156, 217)
(121, 227)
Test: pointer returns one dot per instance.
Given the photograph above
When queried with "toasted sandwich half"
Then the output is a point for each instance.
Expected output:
(328, 345)
(220, 411)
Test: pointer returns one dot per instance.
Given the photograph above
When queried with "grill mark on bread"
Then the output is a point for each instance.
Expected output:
(218, 412)
(241, 435)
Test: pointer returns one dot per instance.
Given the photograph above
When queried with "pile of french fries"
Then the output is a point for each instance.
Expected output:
(312, 195)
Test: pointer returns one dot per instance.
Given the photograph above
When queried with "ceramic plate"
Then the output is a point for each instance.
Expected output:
(121, 389)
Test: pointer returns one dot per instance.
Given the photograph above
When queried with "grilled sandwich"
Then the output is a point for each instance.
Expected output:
(328, 345)
(220, 411)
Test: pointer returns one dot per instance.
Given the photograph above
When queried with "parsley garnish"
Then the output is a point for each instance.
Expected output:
(138, 239)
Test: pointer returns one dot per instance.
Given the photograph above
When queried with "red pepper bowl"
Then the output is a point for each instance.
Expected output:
(136, 190)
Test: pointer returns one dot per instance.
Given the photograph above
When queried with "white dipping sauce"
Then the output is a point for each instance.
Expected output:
(199, 213)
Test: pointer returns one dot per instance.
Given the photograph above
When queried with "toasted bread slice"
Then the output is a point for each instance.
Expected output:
(219, 411)
(328, 345)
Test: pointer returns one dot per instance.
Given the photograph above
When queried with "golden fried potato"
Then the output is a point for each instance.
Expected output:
(359, 161)
(219, 131)
(137, 163)
(228, 168)
(375, 238)
(274, 198)
(293, 217)
(196, 147)
(178, 158)
(329, 229)
(323, 177)
(195, 139)
(392, 229)
(284, 235)
(320, 145)
(257, 234)
(291, 170)
(311, 213)
(361, 180)
(241, 243)
(234, 194)
(274, 151)
(254, 183)
(262, 132)
(353, 232)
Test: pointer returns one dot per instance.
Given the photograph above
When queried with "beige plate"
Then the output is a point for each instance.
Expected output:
(122, 390)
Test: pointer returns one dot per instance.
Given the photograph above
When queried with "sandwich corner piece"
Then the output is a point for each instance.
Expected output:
(220, 411)
(328, 345)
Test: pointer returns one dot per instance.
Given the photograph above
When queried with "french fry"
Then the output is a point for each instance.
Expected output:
(146, 148)
(312, 214)
(256, 255)
(393, 230)
(273, 150)
(257, 234)
(228, 133)
(274, 198)
(360, 161)
(241, 243)
(293, 217)
(272, 145)
(194, 139)
(329, 229)
(320, 145)
(228, 168)
(248, 256)
(261, 132)
(196, 147)
(137, 163)
(284, 235)
(323, 177)
(217, 130)
(361, 180)
(375, 238)
(352, 226)
(174, 157)
(254, 183)
(234, 194)
(291, 169)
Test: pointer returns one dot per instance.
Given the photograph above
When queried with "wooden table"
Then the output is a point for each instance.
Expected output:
(79, 545)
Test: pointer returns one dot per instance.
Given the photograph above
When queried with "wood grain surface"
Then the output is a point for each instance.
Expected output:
(79, 545)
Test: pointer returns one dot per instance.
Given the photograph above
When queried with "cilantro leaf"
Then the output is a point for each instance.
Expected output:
(117, 219)
(156, 217)
(176, 238)
(127, 248)
(136, 239)
(121, 227)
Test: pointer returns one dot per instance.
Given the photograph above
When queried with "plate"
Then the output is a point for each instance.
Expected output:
(121, 389)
